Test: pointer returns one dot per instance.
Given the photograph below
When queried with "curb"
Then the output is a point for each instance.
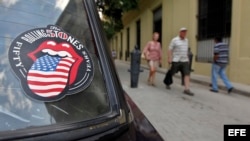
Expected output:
(235, 90)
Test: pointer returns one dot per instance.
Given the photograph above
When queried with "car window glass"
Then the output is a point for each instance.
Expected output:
(21, 110)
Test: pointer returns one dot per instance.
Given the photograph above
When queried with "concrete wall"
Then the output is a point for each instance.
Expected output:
(239, 69)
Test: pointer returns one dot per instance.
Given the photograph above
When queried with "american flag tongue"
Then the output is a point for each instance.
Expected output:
(48, 76)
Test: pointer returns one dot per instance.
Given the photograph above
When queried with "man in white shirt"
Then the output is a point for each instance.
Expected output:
(178, 57)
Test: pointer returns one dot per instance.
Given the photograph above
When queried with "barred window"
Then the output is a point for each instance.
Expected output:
(214, 18)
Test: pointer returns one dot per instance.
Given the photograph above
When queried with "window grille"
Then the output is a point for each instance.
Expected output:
(205, 50)
(214, 19)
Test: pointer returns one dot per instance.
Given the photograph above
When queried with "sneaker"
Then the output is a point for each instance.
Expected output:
(230, 90)
(188, 92)
(215, 91)
(168, 87)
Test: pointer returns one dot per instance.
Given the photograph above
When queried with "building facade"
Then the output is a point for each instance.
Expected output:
(204, 20)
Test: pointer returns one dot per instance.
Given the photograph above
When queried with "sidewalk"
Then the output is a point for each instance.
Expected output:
(239, 88)
(179, 117)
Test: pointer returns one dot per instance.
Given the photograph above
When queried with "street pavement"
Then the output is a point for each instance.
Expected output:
(179, 117)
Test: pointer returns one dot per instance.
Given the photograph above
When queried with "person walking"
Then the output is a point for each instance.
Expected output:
(153, 54)
(178, 58)
(221, 59)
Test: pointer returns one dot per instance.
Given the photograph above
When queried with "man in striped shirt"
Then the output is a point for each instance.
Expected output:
(178, 57)
(221, 59)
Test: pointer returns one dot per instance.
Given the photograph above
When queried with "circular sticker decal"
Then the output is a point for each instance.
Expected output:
(50, 63)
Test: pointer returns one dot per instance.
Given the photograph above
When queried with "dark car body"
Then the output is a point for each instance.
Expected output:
(58, 79)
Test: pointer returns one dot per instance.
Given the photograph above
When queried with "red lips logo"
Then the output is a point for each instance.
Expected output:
(52, 67)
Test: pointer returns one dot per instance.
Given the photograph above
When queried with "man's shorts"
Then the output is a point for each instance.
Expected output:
(183, 67)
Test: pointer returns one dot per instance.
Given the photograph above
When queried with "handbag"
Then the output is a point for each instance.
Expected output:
(168, 80)
(143, 55)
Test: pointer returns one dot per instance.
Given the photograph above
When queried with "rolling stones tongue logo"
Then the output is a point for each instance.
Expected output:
(50, 63)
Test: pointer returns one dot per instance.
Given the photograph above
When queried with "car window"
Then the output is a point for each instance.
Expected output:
(49, 69)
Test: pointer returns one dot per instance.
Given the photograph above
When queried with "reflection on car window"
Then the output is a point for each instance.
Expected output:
(19, 110)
